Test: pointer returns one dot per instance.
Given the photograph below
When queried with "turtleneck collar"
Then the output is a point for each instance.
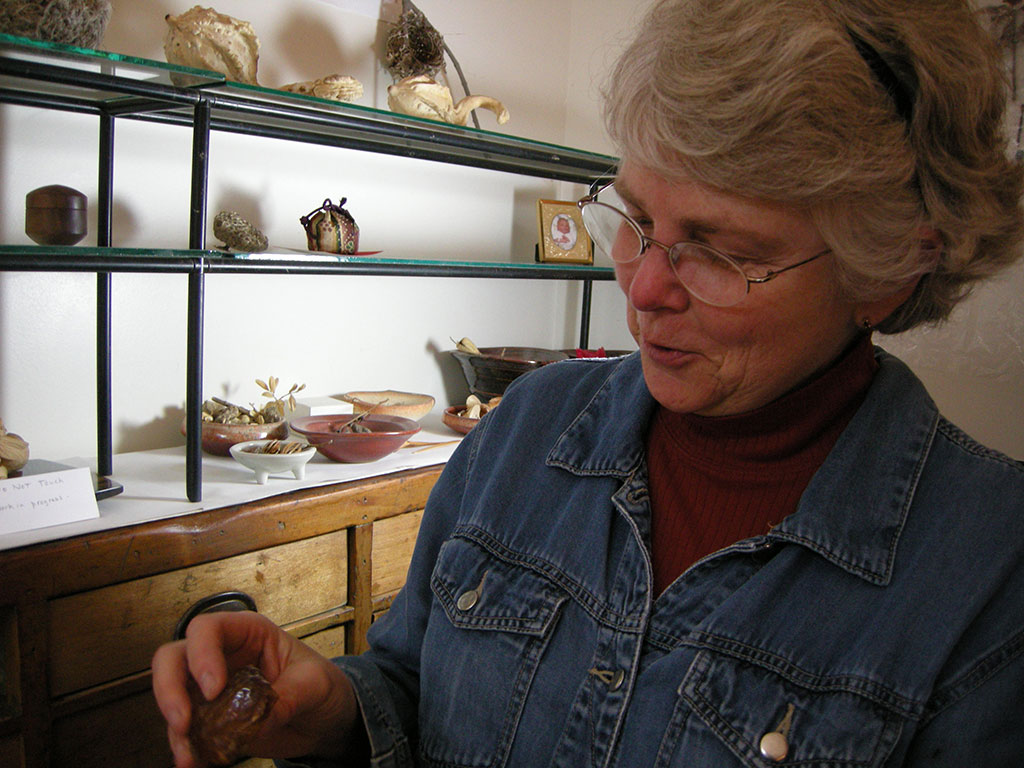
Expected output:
(799, 427)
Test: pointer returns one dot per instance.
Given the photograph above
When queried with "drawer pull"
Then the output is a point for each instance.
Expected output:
(223, 601)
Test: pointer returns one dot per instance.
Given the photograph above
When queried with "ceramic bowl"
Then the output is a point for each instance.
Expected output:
(390, 402)
(490, 372)
(453, 420)
(388, 434)
(266, 464)
(217, 438)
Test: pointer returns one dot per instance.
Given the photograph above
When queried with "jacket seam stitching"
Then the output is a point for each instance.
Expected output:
(580, 595)
(983, 671)
(822, 683)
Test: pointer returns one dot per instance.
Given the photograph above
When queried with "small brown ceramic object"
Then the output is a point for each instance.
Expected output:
(56, 215)
(217, 438)
(453, 419)
(222, 728)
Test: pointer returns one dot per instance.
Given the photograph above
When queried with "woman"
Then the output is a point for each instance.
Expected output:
(755, 541)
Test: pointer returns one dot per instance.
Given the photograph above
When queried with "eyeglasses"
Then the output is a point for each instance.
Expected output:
(709, 275)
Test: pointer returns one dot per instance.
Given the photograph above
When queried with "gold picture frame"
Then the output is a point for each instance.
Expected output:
(562, 236)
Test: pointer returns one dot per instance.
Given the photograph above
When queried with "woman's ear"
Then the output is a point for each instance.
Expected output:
(870, 314)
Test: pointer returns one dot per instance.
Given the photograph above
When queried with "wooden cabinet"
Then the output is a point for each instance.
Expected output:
(81, 617)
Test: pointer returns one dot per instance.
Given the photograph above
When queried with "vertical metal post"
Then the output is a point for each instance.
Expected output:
(196, 286)
(588, 291)
(104, 394)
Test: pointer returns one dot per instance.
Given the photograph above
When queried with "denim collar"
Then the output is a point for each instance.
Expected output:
(855, 506)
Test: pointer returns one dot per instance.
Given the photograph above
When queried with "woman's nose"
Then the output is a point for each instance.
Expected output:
(652, 284)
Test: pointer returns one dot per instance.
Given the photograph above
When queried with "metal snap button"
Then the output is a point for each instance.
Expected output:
(617, 678)
(467, 600)
(774, 746)
(613, 679)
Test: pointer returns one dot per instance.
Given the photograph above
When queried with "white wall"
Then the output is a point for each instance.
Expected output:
(334, 334)
(543, 59)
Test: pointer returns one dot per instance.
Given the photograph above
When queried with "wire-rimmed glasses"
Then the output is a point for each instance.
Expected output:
(709, 275)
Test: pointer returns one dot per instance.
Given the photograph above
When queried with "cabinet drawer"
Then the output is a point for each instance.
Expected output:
(108, 633)
(126, 733)
(329, 642)
(11, 755)
(393, 542)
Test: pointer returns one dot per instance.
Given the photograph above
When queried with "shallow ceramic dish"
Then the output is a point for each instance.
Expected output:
(390, 402)
(454, 420)
(490, 372)
(266, 464)
(218, 438)
(387, 435)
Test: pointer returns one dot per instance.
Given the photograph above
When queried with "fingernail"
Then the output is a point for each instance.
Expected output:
(206, 682)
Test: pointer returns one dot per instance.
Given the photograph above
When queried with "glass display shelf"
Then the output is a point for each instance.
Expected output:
(71, 77)
(67, 77)
(113, 86)
(29, 258)
(55, 258)
(298, 117)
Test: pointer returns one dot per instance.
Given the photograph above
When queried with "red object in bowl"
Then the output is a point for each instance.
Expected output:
(387, 435)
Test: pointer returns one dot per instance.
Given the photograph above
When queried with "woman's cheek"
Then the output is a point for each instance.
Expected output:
(633, 323)
(624, 276)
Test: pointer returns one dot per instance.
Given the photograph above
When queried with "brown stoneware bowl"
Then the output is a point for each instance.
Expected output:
(387, 435)
(218, 438)
(453, 420)
(390, 402)
(490, 372)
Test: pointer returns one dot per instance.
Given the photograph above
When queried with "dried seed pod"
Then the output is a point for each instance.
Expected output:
(414, 47)
(238, 233)
(205, 39)
(222, 728)
(13, 451)
(465, 344)
(332, 87)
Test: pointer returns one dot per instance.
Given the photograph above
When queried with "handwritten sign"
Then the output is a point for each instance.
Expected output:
(38, 501)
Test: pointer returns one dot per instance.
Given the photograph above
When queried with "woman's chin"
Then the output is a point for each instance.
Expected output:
(677, 389)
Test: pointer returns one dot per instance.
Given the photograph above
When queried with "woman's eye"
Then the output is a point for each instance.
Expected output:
(644, 222)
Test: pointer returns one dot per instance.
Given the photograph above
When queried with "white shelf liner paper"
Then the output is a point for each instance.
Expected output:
(154, 484)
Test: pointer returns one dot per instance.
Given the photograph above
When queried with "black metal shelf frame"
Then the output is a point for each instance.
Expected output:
(64, 78)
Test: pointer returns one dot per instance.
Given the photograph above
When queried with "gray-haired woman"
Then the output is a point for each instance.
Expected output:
(755, 541)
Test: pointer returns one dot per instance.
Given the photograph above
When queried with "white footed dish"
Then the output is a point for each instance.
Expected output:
(266, 464)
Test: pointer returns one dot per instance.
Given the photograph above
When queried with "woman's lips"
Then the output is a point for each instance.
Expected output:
(667, 356)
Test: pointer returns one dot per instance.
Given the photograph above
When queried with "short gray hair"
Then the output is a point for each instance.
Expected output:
(799, 102)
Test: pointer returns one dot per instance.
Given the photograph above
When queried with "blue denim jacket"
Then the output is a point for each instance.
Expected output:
(881, 624)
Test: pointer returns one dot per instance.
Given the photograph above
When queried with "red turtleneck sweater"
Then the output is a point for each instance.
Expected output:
(717, 480)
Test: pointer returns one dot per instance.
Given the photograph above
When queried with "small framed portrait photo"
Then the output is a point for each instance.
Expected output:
(562, 235)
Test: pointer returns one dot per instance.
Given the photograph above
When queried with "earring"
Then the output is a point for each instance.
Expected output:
(866, 324)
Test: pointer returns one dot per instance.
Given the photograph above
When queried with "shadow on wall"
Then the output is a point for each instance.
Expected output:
(456, 390)
(312, 50)
(162, 432)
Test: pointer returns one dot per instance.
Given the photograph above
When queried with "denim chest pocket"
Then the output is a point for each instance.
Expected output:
(486, 634)
(730, 705)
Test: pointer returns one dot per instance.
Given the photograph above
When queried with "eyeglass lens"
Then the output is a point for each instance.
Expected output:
(705, 273)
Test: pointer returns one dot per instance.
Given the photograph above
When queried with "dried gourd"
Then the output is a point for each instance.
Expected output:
(13, 452)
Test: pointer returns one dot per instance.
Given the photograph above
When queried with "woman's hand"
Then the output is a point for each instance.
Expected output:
(316, 708)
